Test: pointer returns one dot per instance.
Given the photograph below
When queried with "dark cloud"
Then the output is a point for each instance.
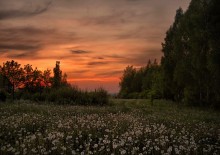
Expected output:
(25, 31)
(27, 39)
(141, 57)
(140, 32)
(96, 63)
(23, 55)
(79, 51)
(19, 47)
(31, 55)
(115, 56)
(27, 35)
(134, 0)
(110, 73)
(100, 58)
(8, 14)
(80, 71)
(109, 20)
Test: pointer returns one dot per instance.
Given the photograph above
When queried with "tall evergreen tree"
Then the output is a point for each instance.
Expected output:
(169, 60)
(57, 79)
(127, 81)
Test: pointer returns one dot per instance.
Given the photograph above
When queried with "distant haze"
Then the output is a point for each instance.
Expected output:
(94, 39)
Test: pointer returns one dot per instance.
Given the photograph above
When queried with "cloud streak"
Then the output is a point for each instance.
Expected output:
(20, 47)
(79, 51)
(110, 73)
(9, 14)
(97, 63)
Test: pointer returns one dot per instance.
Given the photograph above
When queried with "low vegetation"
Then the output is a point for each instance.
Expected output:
(124, 127)
(69, 95)
(26, 83)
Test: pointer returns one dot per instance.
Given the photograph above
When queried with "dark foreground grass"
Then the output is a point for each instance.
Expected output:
(122, 127)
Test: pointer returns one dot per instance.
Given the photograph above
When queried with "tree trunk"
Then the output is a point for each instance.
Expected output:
(207, 95)
(13, 91)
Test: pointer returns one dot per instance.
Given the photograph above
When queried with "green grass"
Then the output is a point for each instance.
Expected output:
(167, 110)
(124, 126)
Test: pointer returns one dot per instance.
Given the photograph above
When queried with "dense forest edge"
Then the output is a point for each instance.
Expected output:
(189, 71)
(26, 83)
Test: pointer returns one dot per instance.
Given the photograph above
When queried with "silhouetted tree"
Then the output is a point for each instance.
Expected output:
(47, 78)
(57, 79)
(14, 73)
(127, 81)
(28, 80)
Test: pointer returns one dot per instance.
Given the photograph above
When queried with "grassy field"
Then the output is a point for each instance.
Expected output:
(123, 127)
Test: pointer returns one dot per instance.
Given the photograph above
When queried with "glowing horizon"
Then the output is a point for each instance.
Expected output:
(94, 39)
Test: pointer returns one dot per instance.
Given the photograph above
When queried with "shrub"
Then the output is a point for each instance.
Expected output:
(26, 96)
(2, 96)
(134, 95)
(72, 95)
(99, 97)
(144, 94)
(39, 97)
(18, 95)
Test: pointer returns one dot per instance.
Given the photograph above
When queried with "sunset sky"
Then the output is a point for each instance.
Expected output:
(94, 39)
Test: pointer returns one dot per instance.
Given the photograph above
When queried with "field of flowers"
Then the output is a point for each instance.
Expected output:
(124, 127)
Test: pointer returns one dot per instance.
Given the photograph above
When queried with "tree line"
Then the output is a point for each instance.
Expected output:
(27, 83)
(189, 71)
(14, 77)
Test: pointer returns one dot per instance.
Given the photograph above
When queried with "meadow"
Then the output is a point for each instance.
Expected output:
(122, 127)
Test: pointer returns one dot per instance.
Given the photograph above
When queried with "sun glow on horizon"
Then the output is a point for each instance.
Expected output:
(94, 44)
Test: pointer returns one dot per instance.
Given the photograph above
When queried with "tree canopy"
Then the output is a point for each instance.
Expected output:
(29, 79)
(190, 66)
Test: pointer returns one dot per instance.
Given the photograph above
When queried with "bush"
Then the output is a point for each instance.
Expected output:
(144, 94)
(2, 96)
(99, 97)
(18, 95)
(70, 95)
(134, 95)
(39, 97)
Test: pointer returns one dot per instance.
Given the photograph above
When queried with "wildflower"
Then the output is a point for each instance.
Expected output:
(22, 145)
(63, 148)
(10, 149)
(169, 150)
(73, 152)
(68, 137)
(107, 130)
(60, 125)
(17, 153)
(34, 150)
(123, 152)
(3, 148)
(177, 151)
(114, 146)
(129, 138)
(33, 137)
